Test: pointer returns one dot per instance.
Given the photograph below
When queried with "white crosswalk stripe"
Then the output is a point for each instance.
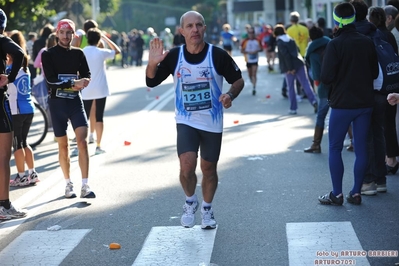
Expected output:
(41, 247)
(178, 246)
(327, 243)
(313, 243)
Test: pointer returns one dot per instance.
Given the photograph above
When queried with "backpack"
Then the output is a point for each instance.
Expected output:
(388, 61)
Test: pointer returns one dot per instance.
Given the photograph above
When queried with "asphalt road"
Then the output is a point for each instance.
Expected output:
(267, 193)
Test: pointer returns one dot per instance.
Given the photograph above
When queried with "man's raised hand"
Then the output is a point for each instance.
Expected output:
(156, 53)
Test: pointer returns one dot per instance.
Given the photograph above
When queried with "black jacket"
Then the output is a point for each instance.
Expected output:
(369, 29)
(58, 62)
(288, 55)
(350, 65)
(8, 46)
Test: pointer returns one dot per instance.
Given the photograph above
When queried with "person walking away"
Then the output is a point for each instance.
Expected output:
(32, 37)
(269, 45)
(41, 41)
(22, 110)
(321, 23)
(7, 47)
(375, 179)
(139, 47)
(293, 66)
(51, 41)
(167, 38)
(98, 89)
(314, 56)
(124, 44)
(178, 39)
(350, 66)
(199, 120)
(251, 47)
(227, 38)
(81, 41)
(391, 134)
(67, 73)
(395, 30)
(298, 32)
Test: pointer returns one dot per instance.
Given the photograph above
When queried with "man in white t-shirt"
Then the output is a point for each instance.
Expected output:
(98, 88)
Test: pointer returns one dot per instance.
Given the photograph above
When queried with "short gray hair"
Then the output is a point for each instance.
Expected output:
(190, 12)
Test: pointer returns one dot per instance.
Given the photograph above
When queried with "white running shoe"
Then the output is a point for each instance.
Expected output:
(11, 213)
(33, 178)
(85, 192)
(69, 194)
(20, 181)
(3, 214)
(208, 220)
(99, 151)
(188, 218)
(91, 139)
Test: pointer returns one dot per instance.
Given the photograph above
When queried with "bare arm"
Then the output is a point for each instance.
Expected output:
(235, 89)
(111, 44)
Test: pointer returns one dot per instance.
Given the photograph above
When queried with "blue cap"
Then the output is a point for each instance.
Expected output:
(3, 19)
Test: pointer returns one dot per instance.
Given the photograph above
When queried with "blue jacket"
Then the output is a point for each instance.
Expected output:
(313, 58)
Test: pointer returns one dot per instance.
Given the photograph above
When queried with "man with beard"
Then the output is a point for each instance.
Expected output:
(67, 73)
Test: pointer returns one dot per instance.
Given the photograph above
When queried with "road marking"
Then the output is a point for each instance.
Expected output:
(41, 247)
(163, 97)
(177, 246)
(307, 240)
(50, 188)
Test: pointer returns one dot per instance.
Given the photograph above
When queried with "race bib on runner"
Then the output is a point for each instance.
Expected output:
(197, 96)
(67, 93)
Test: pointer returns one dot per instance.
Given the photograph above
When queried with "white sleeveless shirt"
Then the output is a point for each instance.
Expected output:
(197, 91)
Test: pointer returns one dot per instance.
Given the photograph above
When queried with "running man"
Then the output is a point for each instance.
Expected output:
(198, 69)
(251, 47)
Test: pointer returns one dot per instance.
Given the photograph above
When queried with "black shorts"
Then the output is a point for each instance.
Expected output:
(5, 114)
(191, 139)
(63, 110)
(100, 107)
(249, 65)
(22, 123)
(227, 47)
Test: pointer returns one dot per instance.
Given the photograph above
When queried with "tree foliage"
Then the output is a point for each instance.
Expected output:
(32, 15)
(152, 13)
(25, 14)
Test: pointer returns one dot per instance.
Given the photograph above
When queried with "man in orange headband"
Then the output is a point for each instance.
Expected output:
(67, 73)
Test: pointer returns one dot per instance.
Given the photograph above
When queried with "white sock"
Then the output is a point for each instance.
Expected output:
(67, 180)
(206, 204)
(21, 174)
(193, 198)
(31, 170)
(84, 181)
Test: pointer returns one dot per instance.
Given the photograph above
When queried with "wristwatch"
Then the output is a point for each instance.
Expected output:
(231, 96)
(72, 83)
